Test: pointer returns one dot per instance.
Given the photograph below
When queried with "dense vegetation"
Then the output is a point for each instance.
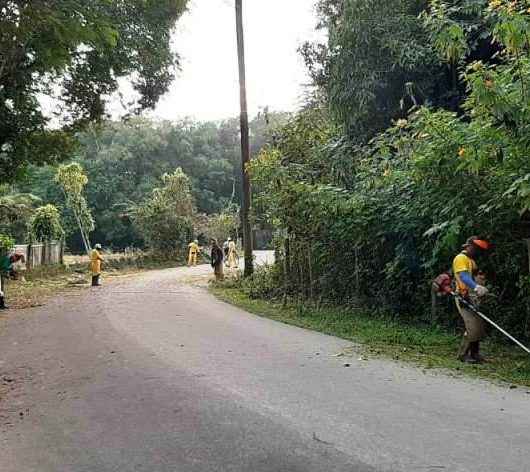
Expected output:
(74, 54)
(417, 138)
(122, 164)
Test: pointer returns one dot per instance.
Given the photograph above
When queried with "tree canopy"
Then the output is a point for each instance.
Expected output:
(74, 53)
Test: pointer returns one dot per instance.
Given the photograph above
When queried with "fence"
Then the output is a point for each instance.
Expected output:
(41, 253)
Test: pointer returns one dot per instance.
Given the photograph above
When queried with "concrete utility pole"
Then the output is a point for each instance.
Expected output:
(245, 143)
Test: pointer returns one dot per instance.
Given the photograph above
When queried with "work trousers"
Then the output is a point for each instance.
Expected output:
(218, 271)
(475, 325)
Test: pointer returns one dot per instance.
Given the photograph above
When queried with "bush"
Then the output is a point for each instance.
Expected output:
(264, 283)
(6, 244)
(165, 220)
(45, 224)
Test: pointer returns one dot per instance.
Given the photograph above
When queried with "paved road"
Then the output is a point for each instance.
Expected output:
(151, 374)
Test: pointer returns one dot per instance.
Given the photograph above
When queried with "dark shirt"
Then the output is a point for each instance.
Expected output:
(217, 256)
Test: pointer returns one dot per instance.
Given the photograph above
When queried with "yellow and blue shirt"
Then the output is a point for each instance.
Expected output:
(463, 264)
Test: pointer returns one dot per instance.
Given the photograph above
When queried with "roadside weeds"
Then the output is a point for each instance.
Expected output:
(377, 336)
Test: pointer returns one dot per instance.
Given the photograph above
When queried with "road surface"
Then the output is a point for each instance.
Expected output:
(152, 374)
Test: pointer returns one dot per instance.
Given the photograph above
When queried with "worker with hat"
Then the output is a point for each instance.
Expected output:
(96, 258)
(470, 285)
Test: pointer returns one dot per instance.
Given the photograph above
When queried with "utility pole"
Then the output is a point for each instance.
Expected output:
(245, 143)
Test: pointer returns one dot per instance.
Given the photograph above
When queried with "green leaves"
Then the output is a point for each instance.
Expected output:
(384, 216)
(74, 53)
(72, 180)
(6, 244)
(165, 219)
(45, 224)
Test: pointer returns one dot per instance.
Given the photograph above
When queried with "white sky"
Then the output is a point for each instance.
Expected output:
(208, 89)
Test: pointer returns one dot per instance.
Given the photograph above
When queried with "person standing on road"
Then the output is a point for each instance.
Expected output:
(467, 278)
(193, 252)
(233, 257)
(217, 257)
(96, 258)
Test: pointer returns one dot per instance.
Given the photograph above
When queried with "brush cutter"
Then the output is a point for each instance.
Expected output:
(443, 285)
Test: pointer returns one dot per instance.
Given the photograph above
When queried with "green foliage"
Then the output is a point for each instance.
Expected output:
(6, 244)
(376, 57)
(45, 224)
(125, 161)
(165, 220)
(381, 58)
(73, 180)
(219, 226)
(75, 53)
(16, 210)
(377, 221)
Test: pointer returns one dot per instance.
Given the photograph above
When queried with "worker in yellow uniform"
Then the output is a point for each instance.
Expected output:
(193, 252)
(233, 256)
(469, 284)
(96, 258)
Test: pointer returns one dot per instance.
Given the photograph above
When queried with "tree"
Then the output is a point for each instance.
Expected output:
(16, 209)
(45, 225)
(384, 57)
(165, 220)
(72, 181)
(124, 162)
(76, 53)
(220, 226)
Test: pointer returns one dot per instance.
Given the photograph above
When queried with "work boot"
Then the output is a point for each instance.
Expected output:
(475, 352)
(3, 305)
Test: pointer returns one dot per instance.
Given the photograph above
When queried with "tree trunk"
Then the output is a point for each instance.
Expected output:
(245, 143)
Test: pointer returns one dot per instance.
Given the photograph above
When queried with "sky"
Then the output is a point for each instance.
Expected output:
(207, 88)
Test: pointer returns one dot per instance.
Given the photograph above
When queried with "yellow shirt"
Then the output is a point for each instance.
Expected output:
(194, 248)
(463, 263)
(95, 262)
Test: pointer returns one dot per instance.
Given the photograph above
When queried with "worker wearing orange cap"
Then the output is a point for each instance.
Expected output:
(470, 284)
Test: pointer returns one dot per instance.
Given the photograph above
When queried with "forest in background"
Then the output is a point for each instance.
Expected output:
(125, 162)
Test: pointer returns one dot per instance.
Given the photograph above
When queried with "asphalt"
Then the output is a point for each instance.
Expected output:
(152, 373)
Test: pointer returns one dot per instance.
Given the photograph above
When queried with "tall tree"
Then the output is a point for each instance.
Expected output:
(75, 53)
(382, 57)
(73, 180)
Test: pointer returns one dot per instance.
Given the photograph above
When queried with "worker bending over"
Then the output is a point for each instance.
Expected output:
(469, 285)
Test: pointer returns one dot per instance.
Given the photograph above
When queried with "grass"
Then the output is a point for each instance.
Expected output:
(426, 347)
(44, 282)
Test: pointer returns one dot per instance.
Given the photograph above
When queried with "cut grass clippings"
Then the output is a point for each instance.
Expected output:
(427, 347)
